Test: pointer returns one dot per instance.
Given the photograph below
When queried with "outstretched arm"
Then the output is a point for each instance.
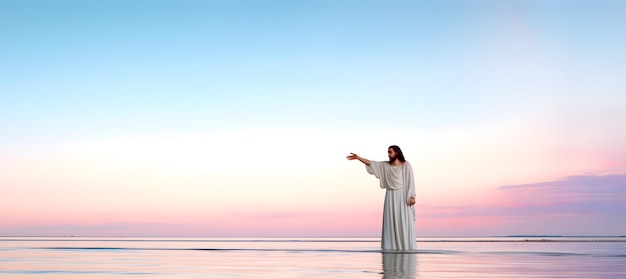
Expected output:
(353, 156)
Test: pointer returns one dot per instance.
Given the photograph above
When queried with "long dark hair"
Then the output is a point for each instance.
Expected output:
(398, 153)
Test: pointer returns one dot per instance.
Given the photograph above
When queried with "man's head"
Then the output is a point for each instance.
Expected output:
(395, 153)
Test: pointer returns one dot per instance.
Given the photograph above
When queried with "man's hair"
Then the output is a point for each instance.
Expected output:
(398, 152)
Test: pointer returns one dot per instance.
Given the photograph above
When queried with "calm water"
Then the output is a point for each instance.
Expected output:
(74, 257)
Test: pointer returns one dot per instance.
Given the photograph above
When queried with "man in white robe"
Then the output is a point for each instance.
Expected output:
(396, 176)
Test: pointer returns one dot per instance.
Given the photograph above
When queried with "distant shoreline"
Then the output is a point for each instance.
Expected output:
(527, 240)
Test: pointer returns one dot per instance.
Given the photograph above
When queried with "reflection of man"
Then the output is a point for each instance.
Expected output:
(396, 176)
(399, 265)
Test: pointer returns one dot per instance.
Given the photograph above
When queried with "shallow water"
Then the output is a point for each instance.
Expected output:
(79, 257)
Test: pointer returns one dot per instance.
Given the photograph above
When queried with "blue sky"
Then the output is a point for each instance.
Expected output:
(160, 64)
(481, 93)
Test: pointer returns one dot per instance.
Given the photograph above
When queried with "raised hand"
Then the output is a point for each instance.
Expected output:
(352, 156)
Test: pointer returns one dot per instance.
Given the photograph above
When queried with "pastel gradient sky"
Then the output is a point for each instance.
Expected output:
(233, 118)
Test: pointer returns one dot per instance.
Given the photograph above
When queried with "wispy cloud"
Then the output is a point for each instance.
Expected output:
(558, 206)
(587, 186)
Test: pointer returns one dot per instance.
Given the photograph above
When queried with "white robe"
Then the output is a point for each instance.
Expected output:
(398, 232)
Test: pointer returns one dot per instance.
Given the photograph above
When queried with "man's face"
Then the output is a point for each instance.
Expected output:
(392, 155)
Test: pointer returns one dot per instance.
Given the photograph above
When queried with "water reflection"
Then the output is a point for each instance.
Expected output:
(399, 265)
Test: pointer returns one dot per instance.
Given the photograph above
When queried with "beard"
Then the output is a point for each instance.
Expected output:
(393, 159)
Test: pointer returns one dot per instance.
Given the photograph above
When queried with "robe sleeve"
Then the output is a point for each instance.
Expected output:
(410, 191)
(377, 169)
(411, 181)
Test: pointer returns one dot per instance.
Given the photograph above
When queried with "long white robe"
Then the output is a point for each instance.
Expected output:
(398, 232)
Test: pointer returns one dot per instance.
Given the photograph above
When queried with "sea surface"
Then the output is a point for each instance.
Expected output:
(149, 257)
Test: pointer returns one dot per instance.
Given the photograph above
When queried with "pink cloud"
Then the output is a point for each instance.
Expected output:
(589, 204)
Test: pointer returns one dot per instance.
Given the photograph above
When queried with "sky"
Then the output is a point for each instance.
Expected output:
(234, 118)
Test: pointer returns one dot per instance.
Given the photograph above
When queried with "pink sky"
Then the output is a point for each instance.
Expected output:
(83, 190)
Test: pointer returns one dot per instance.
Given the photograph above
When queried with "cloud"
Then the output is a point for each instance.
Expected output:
(581, 204)
(573, 194)
(587, 184)
(583, 195)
